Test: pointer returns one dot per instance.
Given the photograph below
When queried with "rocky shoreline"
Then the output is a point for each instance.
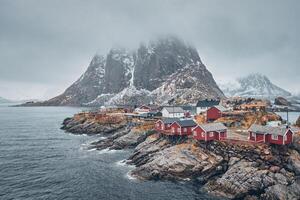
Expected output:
(223, 169)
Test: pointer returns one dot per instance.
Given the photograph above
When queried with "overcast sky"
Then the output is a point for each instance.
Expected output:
(46, 45)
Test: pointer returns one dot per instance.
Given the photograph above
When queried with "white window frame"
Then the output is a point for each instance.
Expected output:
(185, 130)
(178, 129)
(173, 129)
(195, 133)
(274, 137)
(203, 134)
(285, 138)
(253, 134)
(211, 134)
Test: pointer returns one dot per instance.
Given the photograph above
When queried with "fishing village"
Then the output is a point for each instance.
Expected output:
(234, 148)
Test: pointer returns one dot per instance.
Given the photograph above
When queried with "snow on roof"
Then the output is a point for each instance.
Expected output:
(279, 130)
(213, 127)
(174, 109)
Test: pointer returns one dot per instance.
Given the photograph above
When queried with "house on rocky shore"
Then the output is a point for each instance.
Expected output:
(215, 113)
(211, 131)
(280, 135)
(183, 127)
(204, 105)
(164, 124)
(174, 111)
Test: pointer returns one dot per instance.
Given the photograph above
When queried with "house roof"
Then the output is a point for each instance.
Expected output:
(213, 127)
(207, 103)
(187, 123)
(169, 120)
(221, 108)
(279, 130)
(174, 109)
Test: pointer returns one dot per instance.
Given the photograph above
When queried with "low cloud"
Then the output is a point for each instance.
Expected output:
(50, 43)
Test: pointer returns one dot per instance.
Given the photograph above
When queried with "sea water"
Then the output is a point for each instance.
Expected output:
(40, 161)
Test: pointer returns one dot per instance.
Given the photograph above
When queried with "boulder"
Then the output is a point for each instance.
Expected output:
(280, 101)
(239, 180)
(179, 162)
(283, 192)
(294, 162)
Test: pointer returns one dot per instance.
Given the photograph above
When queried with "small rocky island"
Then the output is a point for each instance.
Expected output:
(231, 170)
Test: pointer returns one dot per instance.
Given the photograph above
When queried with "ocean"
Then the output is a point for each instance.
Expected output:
(40, 161)
(293, 116)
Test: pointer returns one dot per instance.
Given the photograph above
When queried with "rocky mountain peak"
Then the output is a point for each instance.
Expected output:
(254, 85)
(162, 69)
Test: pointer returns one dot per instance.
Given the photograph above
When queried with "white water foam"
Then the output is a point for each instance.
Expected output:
(130, 176)
(122, 163)
(107, 150)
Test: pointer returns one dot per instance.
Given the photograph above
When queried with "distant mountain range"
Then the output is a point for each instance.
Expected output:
(3, 100)
(165, 70)
(256, 86)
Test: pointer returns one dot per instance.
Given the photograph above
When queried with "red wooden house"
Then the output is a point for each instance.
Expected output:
(183, 127)
(275, 135)
(214, 113)
(164, 124)
(211, 131)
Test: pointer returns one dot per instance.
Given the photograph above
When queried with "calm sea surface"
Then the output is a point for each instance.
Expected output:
(40, 161)
(293, 116)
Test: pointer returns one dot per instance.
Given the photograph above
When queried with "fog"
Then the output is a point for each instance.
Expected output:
(47, 45)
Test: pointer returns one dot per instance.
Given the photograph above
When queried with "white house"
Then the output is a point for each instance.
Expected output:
(204, 105)
(172, 112)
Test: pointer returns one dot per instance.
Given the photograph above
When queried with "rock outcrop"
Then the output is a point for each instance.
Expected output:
(280, 101)
(160, 160)
(123, 139)
(231, 170)
(85, 123)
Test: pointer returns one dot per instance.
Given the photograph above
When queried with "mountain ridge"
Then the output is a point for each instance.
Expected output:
(254, 85)
(162, 70)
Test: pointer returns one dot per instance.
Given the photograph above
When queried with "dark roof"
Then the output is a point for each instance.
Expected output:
(174, 109)
(279, 130)
(169, 120)
(188, 108)
(208, 103)
(213, 127)
(187, 123)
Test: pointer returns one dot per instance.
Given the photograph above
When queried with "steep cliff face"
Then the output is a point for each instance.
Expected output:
(164, 70)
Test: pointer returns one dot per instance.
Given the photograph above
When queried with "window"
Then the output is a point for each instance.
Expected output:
(253, 135)
(211, 134)
(168, 125)
(178, 129)
(285, 138)
(185, 130)
(274, 137)
(195, 133)
(173, 129)
(202, 134)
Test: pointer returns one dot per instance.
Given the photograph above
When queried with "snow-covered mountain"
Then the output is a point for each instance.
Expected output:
(254, 85)
(163, 70)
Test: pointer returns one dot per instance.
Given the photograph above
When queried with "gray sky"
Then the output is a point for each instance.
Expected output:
(46, 45)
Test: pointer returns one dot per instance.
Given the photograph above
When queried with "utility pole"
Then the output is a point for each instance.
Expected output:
(287, 116)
